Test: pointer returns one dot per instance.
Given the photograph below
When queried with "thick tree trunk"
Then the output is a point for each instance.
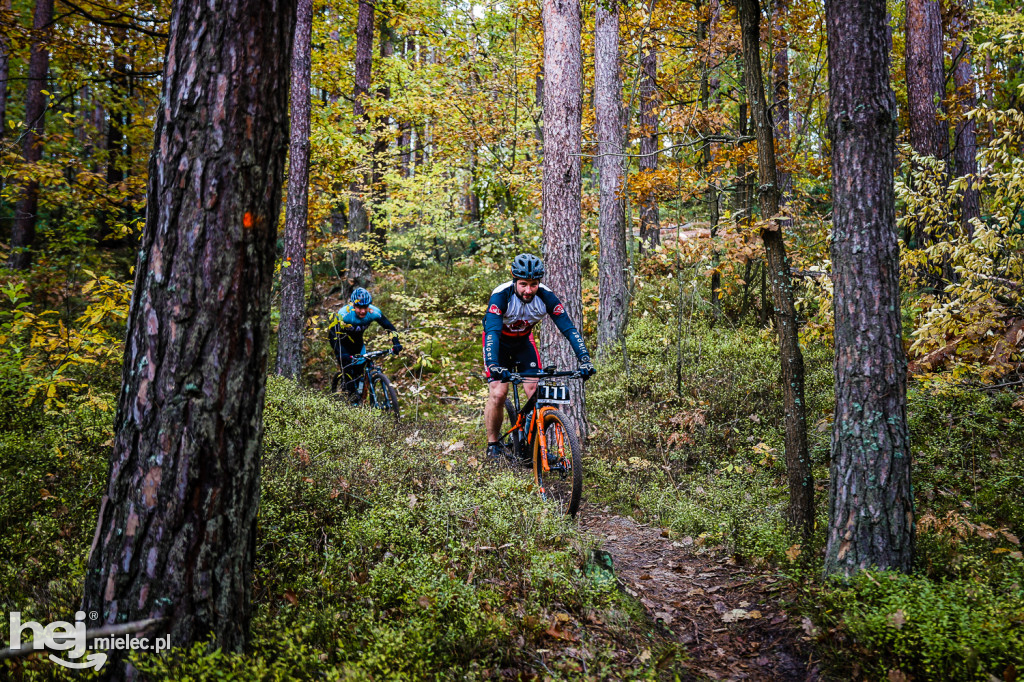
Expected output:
(613, 301)
(650, 224)
(23, 231)
(800, 512)
(177, 527)
(291, 329)
(563, 111)
(359, 272)
(871, 508)
(966, 145)
(929, 136)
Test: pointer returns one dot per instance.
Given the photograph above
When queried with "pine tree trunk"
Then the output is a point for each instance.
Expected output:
(610, 130)
(800, 511)
(5, 67)
(359, 273)
(114, 142)
(706, 158)
(966, 144)
(563, 110)
(293, 277)
(176, 531)
(23, 231)
(650, 225)
(780, 106)
(871, 508)
(929, 136)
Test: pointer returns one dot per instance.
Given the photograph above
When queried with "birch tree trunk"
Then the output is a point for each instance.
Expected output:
(563, 111)
(176, 530)
(23, 231)
(800, 511)
(610, 122)
(359, 273)
(871, 508)
(293, 268)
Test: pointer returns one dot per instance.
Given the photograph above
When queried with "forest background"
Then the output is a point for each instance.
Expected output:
(425, 180)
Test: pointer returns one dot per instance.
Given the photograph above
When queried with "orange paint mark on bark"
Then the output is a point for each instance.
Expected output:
(150, 487)
(247, 219)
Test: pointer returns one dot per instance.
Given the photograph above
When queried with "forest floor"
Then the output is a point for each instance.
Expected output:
(730, 618)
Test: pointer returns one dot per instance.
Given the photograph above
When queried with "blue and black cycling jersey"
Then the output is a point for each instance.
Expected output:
(346, 329)
(510, 320)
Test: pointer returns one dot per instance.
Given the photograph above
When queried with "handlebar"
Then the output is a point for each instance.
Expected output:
(373, 355)
(519, 378)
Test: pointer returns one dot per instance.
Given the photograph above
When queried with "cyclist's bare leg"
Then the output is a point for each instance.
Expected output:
(494, 410)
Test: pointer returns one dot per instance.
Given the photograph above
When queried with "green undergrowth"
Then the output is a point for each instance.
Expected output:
(707, 463)
(384, 551)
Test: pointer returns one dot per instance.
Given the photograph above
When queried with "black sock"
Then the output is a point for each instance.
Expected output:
(493, 443)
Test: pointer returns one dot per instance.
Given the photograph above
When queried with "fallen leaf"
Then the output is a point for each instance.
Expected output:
(793, 552)
(425, 602)
(472, 461)
(412, 500)
(735, 615)
(898, 619)
(456, 446)
(645, 576)
(809, 627)
(896, 676)
(1010, 537)
(645, 655)
(292, 599)
(663, 616)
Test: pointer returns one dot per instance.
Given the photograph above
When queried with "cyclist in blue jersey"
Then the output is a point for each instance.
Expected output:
(346, 330)
(515, 307)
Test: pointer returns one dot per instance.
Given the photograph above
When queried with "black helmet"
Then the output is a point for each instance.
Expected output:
(361, 297)
(527, 266)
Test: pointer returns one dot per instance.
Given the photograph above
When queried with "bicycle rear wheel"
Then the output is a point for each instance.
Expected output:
(515, 439)
(562, 483)
(383, 395)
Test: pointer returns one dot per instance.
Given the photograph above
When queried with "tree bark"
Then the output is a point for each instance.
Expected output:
(293, 277)
(5, 67)
(176, 531)
(610, 122)
(965, 150)
(23, 231)
(929, 136)
(359, 273)
(925, 78)
(871, 508)
(562, 184)
(650, 225)
(800, 511)
(780, 106)
(706, 158)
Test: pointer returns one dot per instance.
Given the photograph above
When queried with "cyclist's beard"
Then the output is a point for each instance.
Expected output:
(525, 297)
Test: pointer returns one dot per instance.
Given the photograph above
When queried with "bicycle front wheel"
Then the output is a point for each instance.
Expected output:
(382, 395)
(562, 482)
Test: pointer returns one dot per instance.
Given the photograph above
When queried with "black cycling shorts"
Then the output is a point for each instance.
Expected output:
(519, 355)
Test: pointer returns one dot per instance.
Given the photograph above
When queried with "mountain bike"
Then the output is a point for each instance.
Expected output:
(373, 388)
(541, 434)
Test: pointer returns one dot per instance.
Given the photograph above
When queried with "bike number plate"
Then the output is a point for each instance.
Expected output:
(553, 394)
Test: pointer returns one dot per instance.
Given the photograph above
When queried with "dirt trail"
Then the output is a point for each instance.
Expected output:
(727, 616)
